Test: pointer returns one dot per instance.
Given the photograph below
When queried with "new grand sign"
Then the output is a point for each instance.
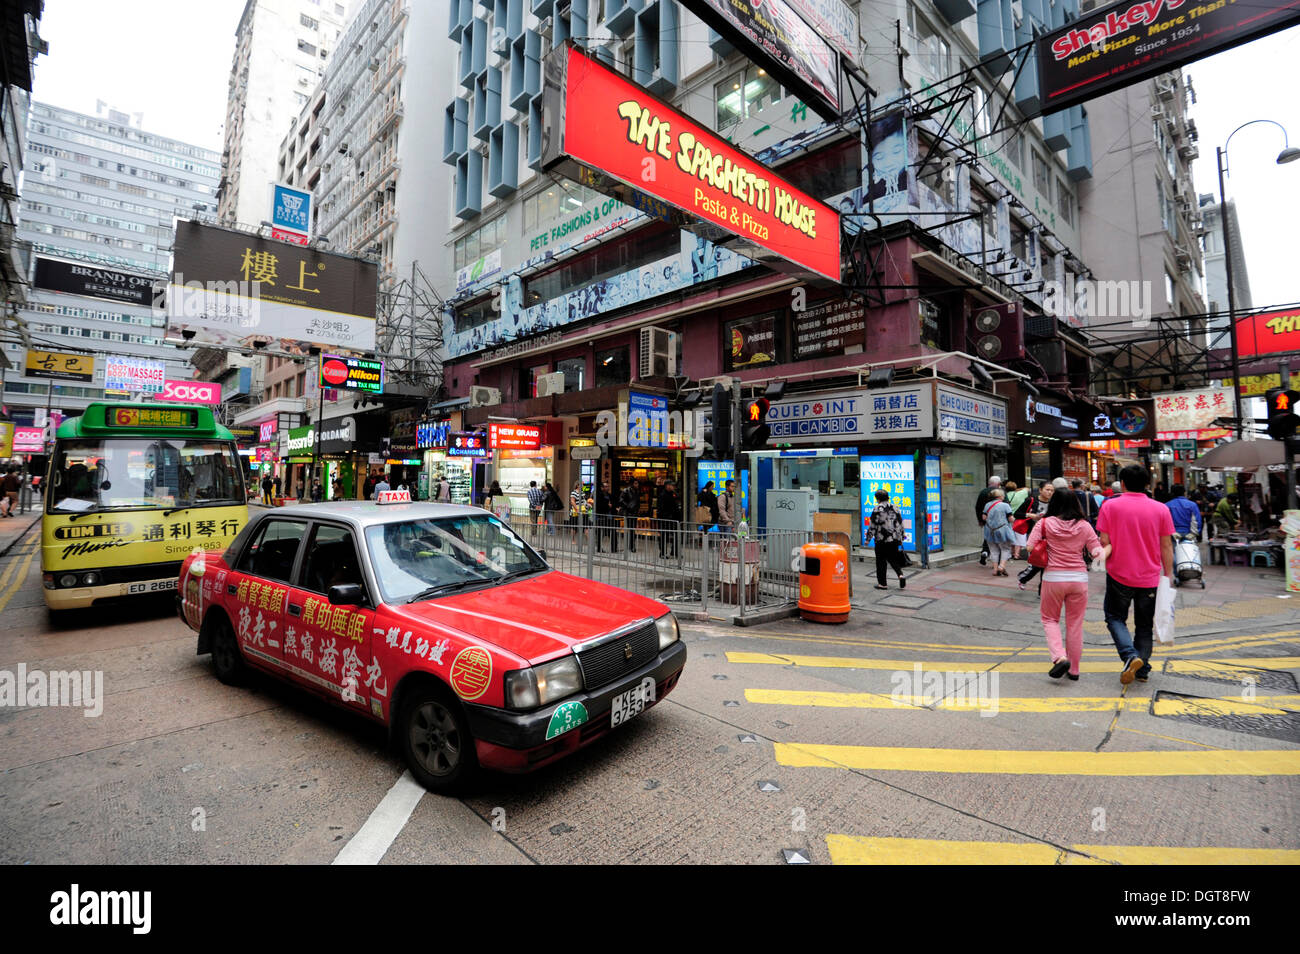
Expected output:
(611, 129)
(1126, 42)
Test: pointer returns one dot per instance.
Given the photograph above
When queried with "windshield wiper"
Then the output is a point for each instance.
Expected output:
(168, 513)
(446, 588)
(94, 508)
(518, 573)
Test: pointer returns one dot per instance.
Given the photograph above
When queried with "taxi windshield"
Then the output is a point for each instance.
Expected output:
(422, 557)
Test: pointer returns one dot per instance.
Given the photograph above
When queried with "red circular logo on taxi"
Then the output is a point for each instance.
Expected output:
(334, 372)
(471, 672)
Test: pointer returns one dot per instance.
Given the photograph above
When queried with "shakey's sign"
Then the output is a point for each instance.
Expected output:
(612, 128)
(1126, 42)
(1269, 332)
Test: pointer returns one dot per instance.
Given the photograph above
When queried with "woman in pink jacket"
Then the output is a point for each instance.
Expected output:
(1065, 581)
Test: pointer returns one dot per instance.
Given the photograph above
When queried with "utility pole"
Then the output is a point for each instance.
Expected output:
(738, 461)
(1232, 297)
(1288, 447)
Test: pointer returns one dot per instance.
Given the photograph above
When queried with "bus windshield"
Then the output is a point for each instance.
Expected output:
(131, 473)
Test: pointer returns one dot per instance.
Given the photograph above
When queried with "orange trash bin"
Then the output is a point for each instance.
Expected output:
(824, 583)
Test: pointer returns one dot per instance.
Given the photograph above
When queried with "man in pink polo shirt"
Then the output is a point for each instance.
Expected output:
(1139, 532)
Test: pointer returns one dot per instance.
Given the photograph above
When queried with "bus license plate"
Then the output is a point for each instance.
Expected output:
(157, 586)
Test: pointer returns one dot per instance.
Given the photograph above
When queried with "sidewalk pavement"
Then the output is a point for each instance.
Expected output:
(13, 528)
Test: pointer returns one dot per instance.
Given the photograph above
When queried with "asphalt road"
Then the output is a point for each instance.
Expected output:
(782, 743)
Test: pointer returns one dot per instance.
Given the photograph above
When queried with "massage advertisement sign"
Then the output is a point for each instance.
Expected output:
(613, 128)
(1125, 42)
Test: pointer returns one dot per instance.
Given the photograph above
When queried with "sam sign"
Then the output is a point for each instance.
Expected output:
(352, 374)
(1125, 42)
(613, 129)
(514, 436)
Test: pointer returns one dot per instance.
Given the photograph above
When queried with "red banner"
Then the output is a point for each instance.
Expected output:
(1269, 332)
(616, 127)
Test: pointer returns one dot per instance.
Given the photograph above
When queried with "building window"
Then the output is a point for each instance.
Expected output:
(1019, 241)
(470, 248)
(1169, 289)
(642, 247)
(475, 313)
(1064, 202)
(612, 367)
(305, 47)
(933, 174)
(574, 371)
(934, 327)
(1042, 178)
(752, 341)
(933, 50)
(744, 94)
(308, 22)
(1016, 149)
(827, 172)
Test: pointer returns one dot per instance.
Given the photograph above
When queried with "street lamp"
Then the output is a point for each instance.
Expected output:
(1288, 154)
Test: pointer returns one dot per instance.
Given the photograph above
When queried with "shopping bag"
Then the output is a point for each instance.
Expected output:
(1164, 619)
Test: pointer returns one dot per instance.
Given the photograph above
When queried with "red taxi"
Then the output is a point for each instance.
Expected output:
(438, 621)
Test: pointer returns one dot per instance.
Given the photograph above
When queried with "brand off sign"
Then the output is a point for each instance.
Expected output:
(191, 392)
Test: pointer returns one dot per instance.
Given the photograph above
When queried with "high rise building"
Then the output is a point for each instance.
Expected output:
(99, 198)
(281, 49)
(18, 26)
(1215, 250)
(1140, 219)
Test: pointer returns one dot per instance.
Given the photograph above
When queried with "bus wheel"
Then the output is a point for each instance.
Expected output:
(227, 661)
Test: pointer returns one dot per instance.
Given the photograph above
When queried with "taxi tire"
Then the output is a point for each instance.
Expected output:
(227, 661)
(429, 707)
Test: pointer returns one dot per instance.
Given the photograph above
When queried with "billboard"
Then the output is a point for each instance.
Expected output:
(1119, 420)
(291, 213)
(134, 374)
(93, 281)
(191, 392)
(771, 34)
(1125, 42)
(351, 374)
(1270, 332)
(230, 287)
(834, 20)
(60, 365)
(1191, 412)
(612, 136)
(29, 440)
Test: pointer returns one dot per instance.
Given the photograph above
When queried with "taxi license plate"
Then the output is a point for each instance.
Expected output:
(625, 705)
(157, 586)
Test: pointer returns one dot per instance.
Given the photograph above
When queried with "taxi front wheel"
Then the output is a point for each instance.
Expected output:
(436, 740)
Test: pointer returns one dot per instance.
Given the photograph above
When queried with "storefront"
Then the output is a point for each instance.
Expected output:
(339, 459)
(926, 443)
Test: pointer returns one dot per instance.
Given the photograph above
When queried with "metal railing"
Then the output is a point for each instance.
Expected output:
(690, 567)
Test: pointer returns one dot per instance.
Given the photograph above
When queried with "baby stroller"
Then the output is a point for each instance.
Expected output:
(1187, 560)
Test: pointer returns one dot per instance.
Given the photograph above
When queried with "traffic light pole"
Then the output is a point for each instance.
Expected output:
(737, 450)
(1288, 456)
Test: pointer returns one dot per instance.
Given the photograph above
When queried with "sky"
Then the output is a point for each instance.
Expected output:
(170, 60)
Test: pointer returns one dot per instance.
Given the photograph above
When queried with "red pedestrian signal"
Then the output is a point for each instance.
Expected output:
(755, 431)
(1282, 419)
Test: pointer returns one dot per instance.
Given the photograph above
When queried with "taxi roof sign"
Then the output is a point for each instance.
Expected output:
(393, 496)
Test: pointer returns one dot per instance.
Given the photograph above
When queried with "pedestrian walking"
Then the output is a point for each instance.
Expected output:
(997, 531)
(1088, 505)
(727, 507)
(443, 494)
(886, 529)
(1184, 512)
(709, 500)
(605, 517)
(670, 516)
(267, 486)
(497, 502)
(1067, 536)
(316, 491)
(1018, 499)
(381, 486)
(1140, 533)
(629, 505)
(9, 487)
(536, 498)
(1037, 511)
(368, 487)
(982, 501)
(554, 506)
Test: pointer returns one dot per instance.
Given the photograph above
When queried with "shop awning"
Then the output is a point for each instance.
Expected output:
(449, 405)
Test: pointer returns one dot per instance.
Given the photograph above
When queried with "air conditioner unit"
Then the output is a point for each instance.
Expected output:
(658, 353)
(484, 397)
(548, 384)
(1183, 257)
(998, 332)
(1158, 112)
(374, 65)
(1165, 89)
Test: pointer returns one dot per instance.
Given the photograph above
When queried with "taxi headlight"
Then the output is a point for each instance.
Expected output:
(530, 688)
(668, 631)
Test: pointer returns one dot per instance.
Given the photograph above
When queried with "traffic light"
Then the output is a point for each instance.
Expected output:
(718, 434)
(754, 432)
(1282, 417)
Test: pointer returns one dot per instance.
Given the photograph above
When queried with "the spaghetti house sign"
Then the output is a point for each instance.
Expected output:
(617, 138)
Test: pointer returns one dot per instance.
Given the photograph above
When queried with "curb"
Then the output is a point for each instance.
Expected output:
(14, 542)
(760, 617)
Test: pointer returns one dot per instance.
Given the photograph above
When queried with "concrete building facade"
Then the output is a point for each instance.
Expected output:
(1215, 250)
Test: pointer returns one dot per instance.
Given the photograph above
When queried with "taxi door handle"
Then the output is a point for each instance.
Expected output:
(295, 609)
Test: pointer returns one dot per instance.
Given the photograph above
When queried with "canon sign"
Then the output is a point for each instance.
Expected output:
(191, 392)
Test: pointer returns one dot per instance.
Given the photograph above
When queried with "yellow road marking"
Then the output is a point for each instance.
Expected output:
(1218, 706)
(1167, 738)
(18, 580)
(1034, 762)
(856, 850)
(1233, 666)
(18, 555)
(1184, 649)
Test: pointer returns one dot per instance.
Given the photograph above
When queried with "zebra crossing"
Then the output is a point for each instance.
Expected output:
(1236, 696)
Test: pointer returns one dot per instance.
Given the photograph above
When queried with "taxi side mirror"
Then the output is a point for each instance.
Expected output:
(542, 553)
(347, 594)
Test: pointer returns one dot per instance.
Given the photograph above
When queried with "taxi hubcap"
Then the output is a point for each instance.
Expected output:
(435, 739)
